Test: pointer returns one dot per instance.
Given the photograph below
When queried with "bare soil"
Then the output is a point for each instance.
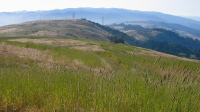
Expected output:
(8, 30)
(136, 35)
(22, 52)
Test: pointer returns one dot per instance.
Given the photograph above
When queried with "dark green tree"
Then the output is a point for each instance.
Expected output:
(119, 40)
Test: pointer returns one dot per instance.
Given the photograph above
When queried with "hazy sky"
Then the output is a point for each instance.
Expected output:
(175, 7)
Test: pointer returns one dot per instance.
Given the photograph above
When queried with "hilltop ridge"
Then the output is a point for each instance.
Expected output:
(69, 28)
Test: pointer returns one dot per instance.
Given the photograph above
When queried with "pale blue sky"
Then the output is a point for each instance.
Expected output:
(175, 7)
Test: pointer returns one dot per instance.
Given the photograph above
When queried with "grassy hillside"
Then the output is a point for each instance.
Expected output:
(70, 28)
(56, 74)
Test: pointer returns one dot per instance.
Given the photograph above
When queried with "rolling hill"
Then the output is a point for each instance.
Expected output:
(65, 28)
(70, 28)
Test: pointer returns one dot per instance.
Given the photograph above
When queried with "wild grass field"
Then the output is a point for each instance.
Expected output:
(120, 78)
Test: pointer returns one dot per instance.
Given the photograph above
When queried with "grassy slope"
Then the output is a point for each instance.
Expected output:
(115, 81)
(73, 28)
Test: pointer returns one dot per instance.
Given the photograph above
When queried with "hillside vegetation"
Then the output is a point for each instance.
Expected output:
(58, 74)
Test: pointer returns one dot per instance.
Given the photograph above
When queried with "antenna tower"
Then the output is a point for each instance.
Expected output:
(102, 20)
(73, 15)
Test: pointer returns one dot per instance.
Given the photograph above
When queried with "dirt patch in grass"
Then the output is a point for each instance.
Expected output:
(136, 35)
(69, 43)
(44, 58)
(22, 52)
(8, 30)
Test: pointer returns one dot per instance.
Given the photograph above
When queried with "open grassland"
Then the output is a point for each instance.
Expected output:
(48, 77)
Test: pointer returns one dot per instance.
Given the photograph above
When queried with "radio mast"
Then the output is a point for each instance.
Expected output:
(102, 20)
(73, 15)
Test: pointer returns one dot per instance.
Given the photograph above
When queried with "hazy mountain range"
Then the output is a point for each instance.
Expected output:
(110, 15)
(183, 26)
(193, 17)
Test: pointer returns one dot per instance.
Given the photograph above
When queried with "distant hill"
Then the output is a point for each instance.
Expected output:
(69, 28)
(160, 39)
(164, 35)
(66, 28)
(197, 18)
(180, 29)
(111, 15)
(144, 31)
